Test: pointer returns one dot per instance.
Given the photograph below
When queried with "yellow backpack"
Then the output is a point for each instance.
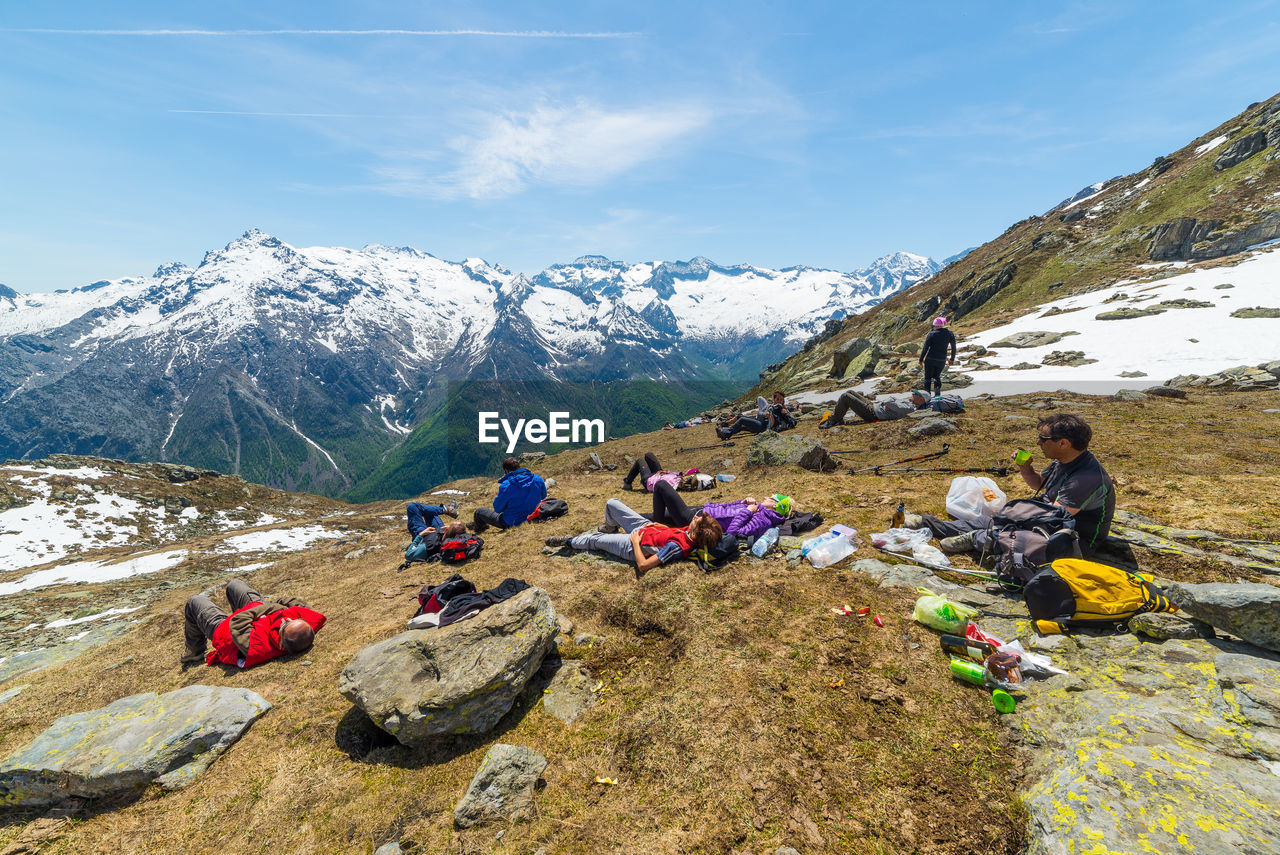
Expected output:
(1073, 592)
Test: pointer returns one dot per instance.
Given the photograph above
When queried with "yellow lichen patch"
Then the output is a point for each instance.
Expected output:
(1066, 816)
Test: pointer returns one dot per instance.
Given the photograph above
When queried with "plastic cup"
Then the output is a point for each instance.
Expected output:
(1023, 456)
(1003, 702)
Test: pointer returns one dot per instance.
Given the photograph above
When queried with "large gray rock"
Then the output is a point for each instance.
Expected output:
(460, 678)
(121, 748)
(1241, 150)
(775, 449)
(1031, 339)
(1152, 748)
(502, 790)
(1163, 626)
(841, 358)
(1249, 610)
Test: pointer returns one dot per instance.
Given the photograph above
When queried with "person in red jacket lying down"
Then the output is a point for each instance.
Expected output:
(256, 631)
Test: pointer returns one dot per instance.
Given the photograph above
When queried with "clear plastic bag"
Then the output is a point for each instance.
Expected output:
(974, 500)
(941, 614)
(901, 539)
(1011, 665)
(835, 545)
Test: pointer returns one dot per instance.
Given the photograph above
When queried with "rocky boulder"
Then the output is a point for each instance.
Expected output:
(862, 365)
(1031, 339)
(774, 449)
(841, 358)
(1249, 610)
(1072, 358)
(1257, 312)
(1163, 626)
(570, 692)
(1165, 392)
(144, 739)
(1241, 150)
(502, 790)
(461, 678)
(1127, 314)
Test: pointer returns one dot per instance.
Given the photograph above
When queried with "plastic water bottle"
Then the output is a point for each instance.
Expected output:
(827, 549)
(764, 542)
(724, 477)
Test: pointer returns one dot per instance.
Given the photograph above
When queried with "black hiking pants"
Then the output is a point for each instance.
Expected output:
(645, 467)
(933, 369)
(202, 615)
(669, 508)
(483, 518)
(747, 423)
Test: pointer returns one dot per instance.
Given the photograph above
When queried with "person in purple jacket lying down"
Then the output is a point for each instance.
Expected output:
(744, 518)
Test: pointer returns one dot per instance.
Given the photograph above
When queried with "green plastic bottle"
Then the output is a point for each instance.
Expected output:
(970, 672)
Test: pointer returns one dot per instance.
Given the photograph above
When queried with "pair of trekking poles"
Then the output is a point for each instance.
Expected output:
(896, 465)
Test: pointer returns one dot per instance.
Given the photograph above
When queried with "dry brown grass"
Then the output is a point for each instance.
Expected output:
(718, 720)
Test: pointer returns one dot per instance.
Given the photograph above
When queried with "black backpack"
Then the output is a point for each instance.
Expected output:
(433, 598)
(799, 524)
(461, 548)
(424, 547)
(549, 509)
(1029, 534)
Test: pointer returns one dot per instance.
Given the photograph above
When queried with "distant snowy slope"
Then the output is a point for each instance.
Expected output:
(1177, 341)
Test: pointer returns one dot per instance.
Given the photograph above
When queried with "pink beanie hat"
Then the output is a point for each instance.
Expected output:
(939, 322)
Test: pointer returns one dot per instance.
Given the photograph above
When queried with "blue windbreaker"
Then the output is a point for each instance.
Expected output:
(519, 492)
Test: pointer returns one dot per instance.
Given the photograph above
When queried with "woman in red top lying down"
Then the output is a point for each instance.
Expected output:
(646, 543)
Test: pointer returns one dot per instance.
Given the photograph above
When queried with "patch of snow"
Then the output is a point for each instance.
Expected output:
(249, 568)
(1096, 187)
(328, 343)
(283, 540)
(95, 571)
(1209, 146)
(189, 513)
(99, 616)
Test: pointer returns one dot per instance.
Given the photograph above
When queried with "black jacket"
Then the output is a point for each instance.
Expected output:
(936, 344)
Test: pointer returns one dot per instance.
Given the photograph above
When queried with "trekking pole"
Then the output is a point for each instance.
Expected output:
(851, 451)
(905, 556)
(946, 447)
(705, 447)
(994, 470)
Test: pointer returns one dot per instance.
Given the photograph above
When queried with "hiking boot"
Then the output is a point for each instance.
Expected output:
(723, 433)
(451, 510)
(626, 485)
(609, 528)
(825, 424)
(912, 521)
(558, 540)
(191, 656)
(957, 543)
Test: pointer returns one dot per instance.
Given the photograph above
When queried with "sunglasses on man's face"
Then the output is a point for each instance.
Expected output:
(1042, 439)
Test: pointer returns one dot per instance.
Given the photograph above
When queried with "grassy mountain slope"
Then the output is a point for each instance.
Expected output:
(718, 719)
(1196, 203)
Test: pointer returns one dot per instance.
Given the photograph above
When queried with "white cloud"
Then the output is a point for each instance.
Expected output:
(579, 146)
(507, 34)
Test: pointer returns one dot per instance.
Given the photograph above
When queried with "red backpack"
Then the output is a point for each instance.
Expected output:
(461, 548)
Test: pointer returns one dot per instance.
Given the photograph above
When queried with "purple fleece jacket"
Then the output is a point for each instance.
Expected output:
(736, 519)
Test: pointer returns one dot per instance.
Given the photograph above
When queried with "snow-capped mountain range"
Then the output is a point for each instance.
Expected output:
(301, 367)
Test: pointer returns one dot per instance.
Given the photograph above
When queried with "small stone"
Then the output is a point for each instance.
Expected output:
(569, 694)
(1025, 366)
(586, 639)
(933, 427)
(1166, 391)
(305, 662)
(389, 849)
(1129, 395)
(1128, 374)
(566, 625)
(1163, 626)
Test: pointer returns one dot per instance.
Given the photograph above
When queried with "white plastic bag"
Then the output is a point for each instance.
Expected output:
(974, 500)
(930, 555)
(828, 548)
(901, 539)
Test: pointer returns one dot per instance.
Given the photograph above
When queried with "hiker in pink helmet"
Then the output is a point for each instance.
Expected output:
(933, 355)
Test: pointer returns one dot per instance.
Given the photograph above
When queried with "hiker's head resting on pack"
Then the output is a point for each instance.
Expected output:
(704, 531)
(1063, 436)
(510, 464)
(779, 398)
(296, 635)
(918, 399)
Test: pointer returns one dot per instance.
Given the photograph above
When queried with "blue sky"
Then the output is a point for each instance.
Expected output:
(768, 133)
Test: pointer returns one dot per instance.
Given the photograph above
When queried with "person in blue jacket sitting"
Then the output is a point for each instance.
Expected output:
(519, 492)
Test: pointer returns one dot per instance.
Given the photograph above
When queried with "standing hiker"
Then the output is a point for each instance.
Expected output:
(1074, 480)
(257, 630)
(519, 492)
(933, 355)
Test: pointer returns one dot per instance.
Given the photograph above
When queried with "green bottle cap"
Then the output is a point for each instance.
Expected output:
(1003, 701)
